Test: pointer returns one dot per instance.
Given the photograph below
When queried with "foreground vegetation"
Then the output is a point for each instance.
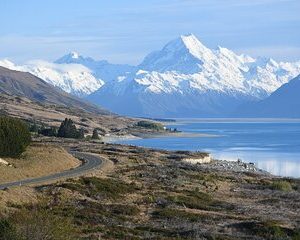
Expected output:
(152, 194)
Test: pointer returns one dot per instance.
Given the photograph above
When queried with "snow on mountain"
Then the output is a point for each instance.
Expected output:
(73, 73)
(72, 78)
(183, 79)
(186, 78)
(100, 68)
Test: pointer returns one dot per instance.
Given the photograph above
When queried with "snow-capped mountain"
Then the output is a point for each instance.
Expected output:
(187, 79)
(101, 69)
(72, 78)
(73, 73)
(183, 79)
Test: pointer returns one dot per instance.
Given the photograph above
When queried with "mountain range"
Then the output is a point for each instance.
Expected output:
(183, 79)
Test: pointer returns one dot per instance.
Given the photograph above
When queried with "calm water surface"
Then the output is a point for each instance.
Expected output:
(273, 145)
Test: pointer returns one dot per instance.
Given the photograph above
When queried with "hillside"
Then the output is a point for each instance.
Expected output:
(23, 84)
(283, 103)
(25, 96)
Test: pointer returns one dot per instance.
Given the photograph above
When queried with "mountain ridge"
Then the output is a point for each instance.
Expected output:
(23, 84)
(187, 78)
(183, 77)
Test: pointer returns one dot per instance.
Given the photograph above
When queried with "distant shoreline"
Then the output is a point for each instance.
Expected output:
(115, 138)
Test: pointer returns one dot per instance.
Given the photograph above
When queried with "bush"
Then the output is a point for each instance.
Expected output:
(98, 187)
(151, 125)
(14, 137)
(193, 199)
(282, 186)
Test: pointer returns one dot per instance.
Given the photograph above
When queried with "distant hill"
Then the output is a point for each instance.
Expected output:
(284, 103)
(22, 84)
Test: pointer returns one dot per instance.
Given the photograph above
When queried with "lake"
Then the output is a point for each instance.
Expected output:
(272, 144)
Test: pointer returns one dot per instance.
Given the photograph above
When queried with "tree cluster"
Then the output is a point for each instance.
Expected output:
(151, 125)
(68, 129)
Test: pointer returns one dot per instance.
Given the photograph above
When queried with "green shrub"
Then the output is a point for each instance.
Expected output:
(98, 187)
(192, 199)
(282, 186)
(268, 230)
(14, 137)
(151, 125)
(172, 213)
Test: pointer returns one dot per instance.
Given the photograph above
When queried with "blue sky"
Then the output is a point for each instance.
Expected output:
(125, 31)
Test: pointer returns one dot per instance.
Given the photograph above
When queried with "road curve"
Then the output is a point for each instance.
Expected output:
(89, 162)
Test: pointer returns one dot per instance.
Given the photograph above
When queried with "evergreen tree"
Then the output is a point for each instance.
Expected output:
(80, 133)
(49, 132)
(14, 137)
(68, 129)
(34, 128)
(95, 134)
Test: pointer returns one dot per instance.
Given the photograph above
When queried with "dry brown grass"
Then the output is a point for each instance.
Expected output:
(38, 160)
(16, 196)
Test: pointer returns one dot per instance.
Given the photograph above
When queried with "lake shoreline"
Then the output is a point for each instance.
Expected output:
(264, 144)
(215, 164)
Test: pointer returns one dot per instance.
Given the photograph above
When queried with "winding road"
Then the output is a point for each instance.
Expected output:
(89, 162)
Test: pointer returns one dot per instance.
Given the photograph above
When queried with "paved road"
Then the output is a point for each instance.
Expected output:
(90, 162)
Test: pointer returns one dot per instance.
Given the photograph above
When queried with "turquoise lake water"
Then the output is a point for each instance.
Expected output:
(273, 145)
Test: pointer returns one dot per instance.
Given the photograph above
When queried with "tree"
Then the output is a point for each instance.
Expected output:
(34, 127)
(151, 125)
(14, 137)
(95, 135)
(68, 129)
(49, 132)
(80, 133)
